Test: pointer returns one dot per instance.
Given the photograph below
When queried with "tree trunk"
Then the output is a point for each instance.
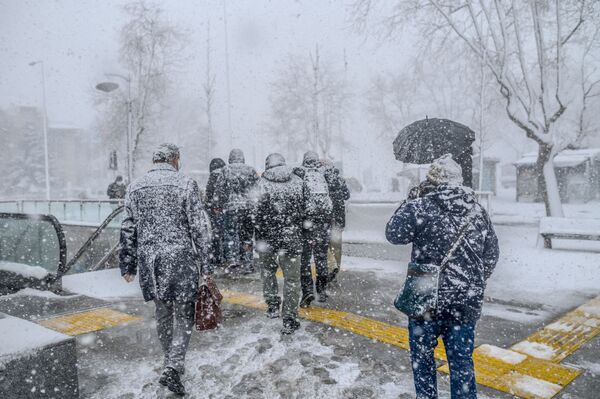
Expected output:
(547, 183)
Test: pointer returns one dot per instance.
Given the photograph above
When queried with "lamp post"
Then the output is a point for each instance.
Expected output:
(107, 87)
(45, 127)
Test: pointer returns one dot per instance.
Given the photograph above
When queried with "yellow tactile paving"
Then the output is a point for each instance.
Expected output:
(88, 321)
(564, 336)
(501, 369)
(518, 374)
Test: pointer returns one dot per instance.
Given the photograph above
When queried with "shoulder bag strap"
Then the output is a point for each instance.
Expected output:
(463, 230)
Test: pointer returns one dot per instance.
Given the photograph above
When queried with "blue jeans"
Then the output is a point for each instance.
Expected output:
(458, 340)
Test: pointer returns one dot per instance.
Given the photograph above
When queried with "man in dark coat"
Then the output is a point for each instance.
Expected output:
(278, 232)
(164, 220)
(317, 224)
(214, 211)
(236, 187)
(432, 223)
(116, 189)
(339, 193)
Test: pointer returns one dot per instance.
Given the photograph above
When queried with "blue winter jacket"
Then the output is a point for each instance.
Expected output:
(431, 223)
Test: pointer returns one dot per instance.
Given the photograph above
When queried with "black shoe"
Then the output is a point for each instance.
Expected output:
(232, 270)
(170, 379)
(290, 326)
(323, 297)
(273, 311)
(306, 300)
(332, 276)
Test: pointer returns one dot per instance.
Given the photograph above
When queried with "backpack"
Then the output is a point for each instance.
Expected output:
(317, 202)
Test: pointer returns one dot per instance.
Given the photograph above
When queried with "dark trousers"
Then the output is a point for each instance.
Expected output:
(174, 324)
(237, 236)
(458, 340)
(315, 242)
(216, 248)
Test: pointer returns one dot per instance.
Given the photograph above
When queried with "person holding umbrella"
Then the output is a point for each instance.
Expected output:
(454, 242)
(425, 140)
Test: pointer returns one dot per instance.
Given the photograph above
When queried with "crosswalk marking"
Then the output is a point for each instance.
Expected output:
(501, 369)
(564, 336)
(87, 321)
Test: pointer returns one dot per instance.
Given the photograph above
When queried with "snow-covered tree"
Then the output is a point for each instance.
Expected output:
(309, 102)
(528, 47)
(151, 49)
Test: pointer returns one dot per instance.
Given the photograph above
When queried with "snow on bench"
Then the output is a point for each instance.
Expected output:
(570, 229)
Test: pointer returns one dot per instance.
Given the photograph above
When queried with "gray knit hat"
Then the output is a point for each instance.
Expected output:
(445, 170)
(165, 152)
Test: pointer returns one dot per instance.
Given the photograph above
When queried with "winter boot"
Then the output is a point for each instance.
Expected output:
(323, 297)
(290, 326)
(170, 379)
(306, 300)
(333, 274)
(232, 270)
(273, 311)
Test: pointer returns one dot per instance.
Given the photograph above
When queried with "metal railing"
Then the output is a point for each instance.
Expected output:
(483, 197)
(70, 211)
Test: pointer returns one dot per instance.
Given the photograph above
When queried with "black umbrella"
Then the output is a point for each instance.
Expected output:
(425, 140)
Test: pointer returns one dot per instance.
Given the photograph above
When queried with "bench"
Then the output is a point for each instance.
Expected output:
(569, 229)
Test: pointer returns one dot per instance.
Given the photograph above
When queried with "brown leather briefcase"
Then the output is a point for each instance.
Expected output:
(208, 306)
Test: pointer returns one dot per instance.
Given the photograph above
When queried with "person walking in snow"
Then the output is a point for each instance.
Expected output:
(235, 190)
(278, 232)
(214, 211)
(164, 235)
(442, 215)
(317, 224)
(116, 189)
(339, 193)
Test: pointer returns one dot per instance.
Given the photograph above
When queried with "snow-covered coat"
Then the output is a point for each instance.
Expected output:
(339, 193)
(236, 184)
(164, 221)
(211, 194)
(280, 208)
(431, 223)
(317, 198)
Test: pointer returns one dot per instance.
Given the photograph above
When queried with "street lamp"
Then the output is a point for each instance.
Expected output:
(108, 87)
(45, 127)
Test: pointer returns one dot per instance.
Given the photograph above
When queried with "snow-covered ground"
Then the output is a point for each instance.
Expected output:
(19, 337)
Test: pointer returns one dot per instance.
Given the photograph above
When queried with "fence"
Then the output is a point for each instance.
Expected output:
(79, 212)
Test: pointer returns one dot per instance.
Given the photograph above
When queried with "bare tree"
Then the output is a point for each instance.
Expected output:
(590, 88)
(309, 101)
(208, 91)
(523, 45)
(151, 49)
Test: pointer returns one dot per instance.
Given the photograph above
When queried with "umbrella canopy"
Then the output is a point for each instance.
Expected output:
(428, 139)
(425, 140)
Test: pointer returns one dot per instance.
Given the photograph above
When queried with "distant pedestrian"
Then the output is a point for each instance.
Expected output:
(317, 224)
(116, 189)
(448, 229)
(215, 212)
(339, 193)
(235, 190)
(278, 230)
(164, 221)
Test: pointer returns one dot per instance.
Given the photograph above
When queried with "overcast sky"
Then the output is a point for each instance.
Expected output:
(78, 42)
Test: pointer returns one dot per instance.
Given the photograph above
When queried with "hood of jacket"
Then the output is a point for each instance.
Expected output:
(278, 174)
(216, 163)
(454, 199)
(311, 160)
(236, 156)
(274, 160)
